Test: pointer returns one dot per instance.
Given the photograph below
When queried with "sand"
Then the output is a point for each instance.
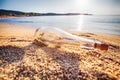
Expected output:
(21, 59)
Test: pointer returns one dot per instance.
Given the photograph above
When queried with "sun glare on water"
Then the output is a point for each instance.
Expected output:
(80, 23)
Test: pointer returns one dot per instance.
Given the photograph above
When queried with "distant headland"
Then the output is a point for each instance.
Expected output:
(13, 13)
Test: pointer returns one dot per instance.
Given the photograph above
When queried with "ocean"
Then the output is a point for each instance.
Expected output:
(86, 23)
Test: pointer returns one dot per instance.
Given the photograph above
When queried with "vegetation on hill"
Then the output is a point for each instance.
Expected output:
(19, 13)
(16, 13)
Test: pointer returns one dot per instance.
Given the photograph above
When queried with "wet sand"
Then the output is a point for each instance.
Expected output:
(21, 59)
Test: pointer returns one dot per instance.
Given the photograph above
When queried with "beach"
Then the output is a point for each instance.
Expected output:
(22, 59)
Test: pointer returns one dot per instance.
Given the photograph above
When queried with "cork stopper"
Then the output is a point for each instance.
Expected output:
(101, 46)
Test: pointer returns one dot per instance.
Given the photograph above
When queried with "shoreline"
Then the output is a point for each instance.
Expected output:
(22, 59)
(71, 31)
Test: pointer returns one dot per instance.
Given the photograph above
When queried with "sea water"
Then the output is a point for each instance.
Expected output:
(86, 23)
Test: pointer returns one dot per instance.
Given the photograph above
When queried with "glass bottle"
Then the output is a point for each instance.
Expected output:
(55, 36)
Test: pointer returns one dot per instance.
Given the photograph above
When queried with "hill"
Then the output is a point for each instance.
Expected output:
(12, 13)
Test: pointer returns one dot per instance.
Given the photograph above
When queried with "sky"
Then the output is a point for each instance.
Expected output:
(64, 6)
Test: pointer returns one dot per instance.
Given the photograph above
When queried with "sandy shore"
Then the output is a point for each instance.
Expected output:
(21, 59)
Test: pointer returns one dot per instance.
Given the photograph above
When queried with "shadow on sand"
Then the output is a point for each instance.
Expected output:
(9, 54)
(69, 63)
